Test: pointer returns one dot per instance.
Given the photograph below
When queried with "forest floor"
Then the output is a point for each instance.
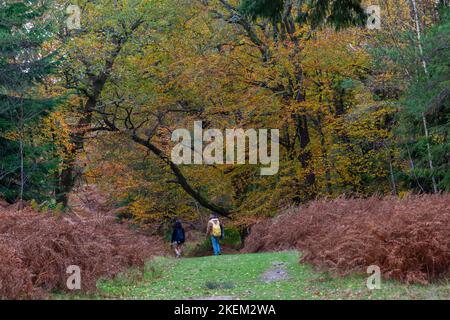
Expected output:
(249, 276)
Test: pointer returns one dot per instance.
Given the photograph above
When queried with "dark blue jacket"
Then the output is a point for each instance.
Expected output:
(178, 233)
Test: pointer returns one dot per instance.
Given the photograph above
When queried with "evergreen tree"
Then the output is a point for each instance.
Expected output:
(338, 13)
(25, 167)
(425, 113)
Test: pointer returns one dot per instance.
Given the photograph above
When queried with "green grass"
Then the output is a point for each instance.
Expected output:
(239, 276)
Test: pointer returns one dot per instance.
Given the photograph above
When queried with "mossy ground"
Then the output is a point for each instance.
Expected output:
(240, 277)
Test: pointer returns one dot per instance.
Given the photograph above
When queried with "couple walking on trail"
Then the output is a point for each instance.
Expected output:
(214, 230)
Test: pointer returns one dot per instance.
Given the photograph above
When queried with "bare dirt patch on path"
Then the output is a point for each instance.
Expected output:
(277, 272)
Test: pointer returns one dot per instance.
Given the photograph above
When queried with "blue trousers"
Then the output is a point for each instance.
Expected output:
(215, 245)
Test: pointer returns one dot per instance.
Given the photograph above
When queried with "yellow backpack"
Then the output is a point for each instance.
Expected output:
(216, 230)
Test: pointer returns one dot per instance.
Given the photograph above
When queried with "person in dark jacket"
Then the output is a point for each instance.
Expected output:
(178, 238)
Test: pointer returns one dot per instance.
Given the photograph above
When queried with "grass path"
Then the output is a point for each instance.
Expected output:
(240, 277)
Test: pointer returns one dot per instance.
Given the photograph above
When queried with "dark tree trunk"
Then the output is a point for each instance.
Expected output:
(181, 179)
(97, 83)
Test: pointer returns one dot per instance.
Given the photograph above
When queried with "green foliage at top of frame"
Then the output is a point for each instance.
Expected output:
(338, 13)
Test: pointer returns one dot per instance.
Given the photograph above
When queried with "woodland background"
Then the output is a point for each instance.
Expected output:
(360, 111)
(89, 113)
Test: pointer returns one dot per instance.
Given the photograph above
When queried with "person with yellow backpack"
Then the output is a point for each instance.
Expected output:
(215, 230)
